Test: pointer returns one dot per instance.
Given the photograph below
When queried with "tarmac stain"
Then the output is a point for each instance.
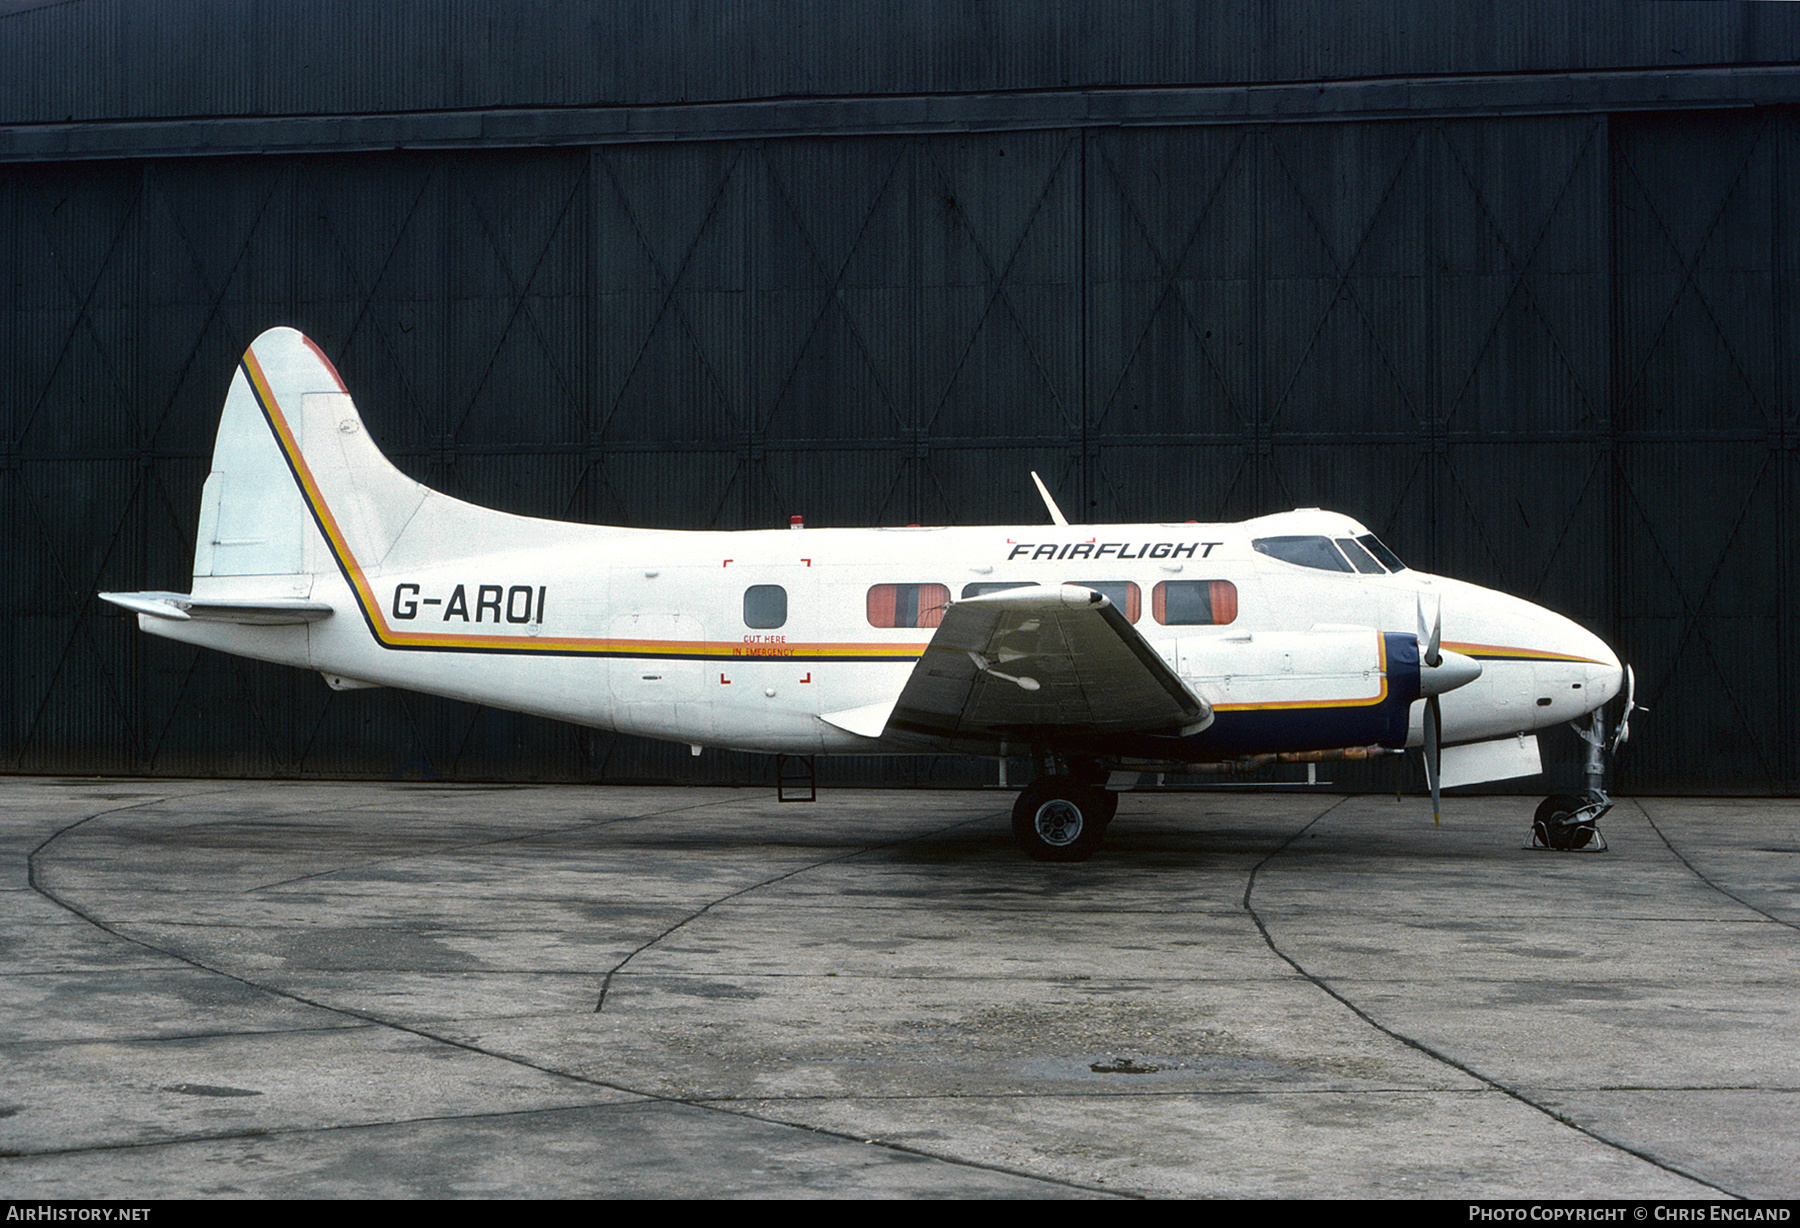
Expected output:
(714, 989)
(1122, 1065)
(207, 1089)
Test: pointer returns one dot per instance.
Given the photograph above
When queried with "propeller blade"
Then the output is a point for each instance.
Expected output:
(1434, 754)
(1429, 638)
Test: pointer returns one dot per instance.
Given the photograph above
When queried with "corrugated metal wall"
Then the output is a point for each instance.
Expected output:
(82, 60)
(1703, 260)
(1546, 353)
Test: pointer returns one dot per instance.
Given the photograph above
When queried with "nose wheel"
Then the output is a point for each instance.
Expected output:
(1566, 823)
(1058, 818)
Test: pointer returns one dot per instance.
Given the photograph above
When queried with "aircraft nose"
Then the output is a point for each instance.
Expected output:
(1602, 675)
(1608, 676)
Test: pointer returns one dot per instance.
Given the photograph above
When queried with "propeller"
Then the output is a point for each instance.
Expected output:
(1439, 671)
(1431, 656)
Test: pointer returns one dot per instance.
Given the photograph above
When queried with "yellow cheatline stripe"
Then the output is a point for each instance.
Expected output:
(1501, 652)
(315, 499)
(389, 637)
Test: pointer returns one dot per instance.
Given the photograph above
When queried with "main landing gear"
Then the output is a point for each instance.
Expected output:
(1062, 818)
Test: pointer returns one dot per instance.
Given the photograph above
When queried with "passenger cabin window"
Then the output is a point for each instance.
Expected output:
(765, 606)
(1316, 552)
(994, 586)
(907, 605)
(1194, 603)
(1122, 593)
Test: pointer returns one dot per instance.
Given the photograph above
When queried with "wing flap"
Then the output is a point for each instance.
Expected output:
(1039, 661)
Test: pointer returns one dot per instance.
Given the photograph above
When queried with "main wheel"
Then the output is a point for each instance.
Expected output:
(1554, 825)
(1060, 819)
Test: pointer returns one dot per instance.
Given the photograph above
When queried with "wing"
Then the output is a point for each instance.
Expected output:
(1044, 661)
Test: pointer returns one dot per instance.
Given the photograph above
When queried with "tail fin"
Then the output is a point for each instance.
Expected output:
(292, 455)
(298, 491)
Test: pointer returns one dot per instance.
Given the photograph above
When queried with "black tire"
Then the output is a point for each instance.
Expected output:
(1060, 819)
(1551, 827)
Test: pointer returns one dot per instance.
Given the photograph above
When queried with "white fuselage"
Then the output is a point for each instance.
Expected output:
(652, 633)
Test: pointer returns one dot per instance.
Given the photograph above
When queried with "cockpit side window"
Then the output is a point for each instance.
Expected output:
(1388, 558)
(1303, 551)
(1360, 558)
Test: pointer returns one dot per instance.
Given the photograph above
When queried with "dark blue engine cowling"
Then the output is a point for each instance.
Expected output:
(1256, 731)
(1252, 731)
(1241, 731)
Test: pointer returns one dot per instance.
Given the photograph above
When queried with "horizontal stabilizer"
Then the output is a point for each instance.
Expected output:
(249, 612)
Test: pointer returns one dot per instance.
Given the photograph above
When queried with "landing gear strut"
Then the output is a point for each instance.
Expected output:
(1061, 818)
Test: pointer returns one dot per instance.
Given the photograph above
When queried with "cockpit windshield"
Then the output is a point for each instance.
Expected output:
(1363, 554)
(1303, 551)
